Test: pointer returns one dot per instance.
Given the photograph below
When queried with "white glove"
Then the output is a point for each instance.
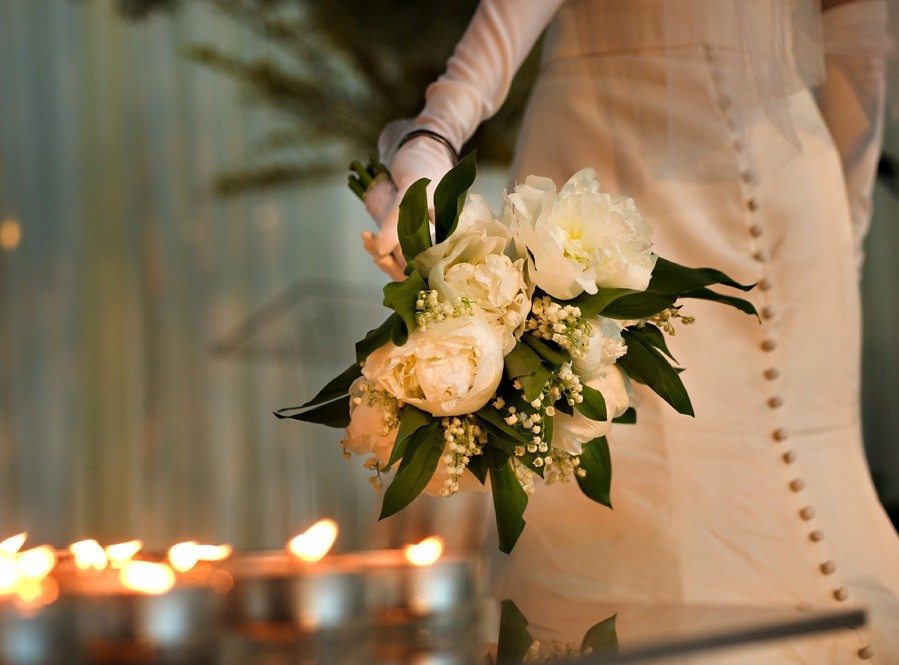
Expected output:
(476, 82)
(856, 42)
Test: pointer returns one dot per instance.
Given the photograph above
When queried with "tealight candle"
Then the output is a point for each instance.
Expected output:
(296, 598)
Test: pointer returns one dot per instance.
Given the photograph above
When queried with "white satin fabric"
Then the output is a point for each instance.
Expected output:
(755, 500)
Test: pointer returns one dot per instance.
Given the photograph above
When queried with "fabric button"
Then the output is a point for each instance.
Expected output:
(816, 536)
(771, 373)
(841, 593)
(775, 402)
(807, 513)
(753, 205)
(748, 176)
(755, 230)
(760, 255)
(739, 143)
(789, 457)
(866, 653)
(768, 312)
(828, 567)
(765, 284)
(769, 344)
(797, 485)
(780, 434)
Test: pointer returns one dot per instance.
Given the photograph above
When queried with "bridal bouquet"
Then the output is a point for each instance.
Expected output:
(512, 342)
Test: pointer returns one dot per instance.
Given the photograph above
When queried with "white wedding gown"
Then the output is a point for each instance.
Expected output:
(764, 498)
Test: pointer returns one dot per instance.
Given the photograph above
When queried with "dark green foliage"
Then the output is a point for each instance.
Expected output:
(338, 72)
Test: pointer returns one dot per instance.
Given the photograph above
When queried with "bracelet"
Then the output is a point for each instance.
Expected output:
(415, 133)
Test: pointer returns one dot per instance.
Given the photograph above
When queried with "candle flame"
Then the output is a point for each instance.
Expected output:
(314, 543)
(121, 553)
(89, 554)
(35, 564)
(9, 575)
(34, 593)
(12, 544)
(147, 577)
(426, 552)
(184, 556)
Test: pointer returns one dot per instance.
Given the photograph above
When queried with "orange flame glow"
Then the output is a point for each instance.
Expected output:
(121, 553)
(184, 556)
(426, 552)
(88, 554)
(9, 575)
(314, 543)
(13, 544)
(147, 577)
(35, 564)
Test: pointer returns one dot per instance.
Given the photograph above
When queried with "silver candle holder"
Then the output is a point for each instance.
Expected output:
(281, 606)
(95, 620)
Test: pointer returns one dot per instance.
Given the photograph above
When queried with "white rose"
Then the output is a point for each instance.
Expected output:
(479, 262)
(604, 347)
(449, 369)
(367, 422)
(570, 433)
(581, 238)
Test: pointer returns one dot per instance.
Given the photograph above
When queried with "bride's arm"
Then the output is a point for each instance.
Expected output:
(474, 86)
(852, 98)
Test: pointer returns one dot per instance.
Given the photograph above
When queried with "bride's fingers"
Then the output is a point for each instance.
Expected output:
(390, 265)
(387, 237)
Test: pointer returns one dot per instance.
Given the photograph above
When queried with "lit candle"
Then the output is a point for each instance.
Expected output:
(103, 605)
(298, 594)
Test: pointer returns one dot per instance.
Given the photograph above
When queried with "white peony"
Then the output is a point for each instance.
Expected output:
(449, 369)
(580, 238)
(479, 263)
(369, 431)
(570, 433)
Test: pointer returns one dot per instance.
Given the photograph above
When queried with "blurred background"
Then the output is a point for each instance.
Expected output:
(179, 257)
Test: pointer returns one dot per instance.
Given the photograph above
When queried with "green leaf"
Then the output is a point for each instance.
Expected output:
(495, 420)
(652, 335)
(423, 450)
(639, 305)
(478, 468)
(401, 298)
(629, 417)
(496, 457)
(514, 639)
(411, 420)
(413, 226)
(399, 333)
(333, 414)
(533, 384)
(522, 360)
(449, 197)
(597, 463)
(673, 278)
(594, 404)
(602, 638)
(336, 387)
(644, 363)
(593, 304)
(509, 502)
(376, 338)
(551, 352)
(707, 294)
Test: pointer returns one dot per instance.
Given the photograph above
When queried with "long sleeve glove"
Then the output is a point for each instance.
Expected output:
(472, 89)
(856, 42)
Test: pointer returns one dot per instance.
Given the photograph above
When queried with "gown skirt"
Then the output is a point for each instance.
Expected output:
(764, 498)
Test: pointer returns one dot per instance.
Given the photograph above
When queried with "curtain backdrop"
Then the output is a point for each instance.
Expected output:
(148, 329)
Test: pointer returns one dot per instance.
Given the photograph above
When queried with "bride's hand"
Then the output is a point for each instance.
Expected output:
(420, 157)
